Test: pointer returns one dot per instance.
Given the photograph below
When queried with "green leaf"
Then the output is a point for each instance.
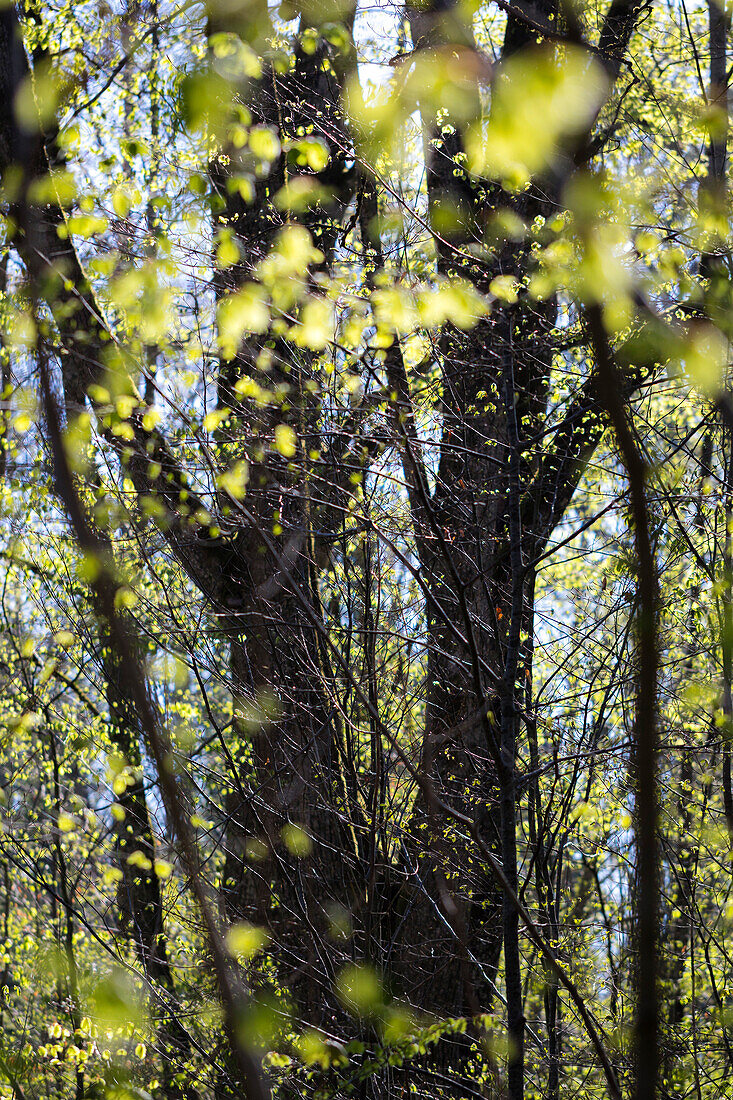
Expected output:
(540, 98)
(246, 311)
(296, 840)
(264, 143)
(115, 1002)
(245, 940)
(286, 441)
(360, 990)
(311, 152)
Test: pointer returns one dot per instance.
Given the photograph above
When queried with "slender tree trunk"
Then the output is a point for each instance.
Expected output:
(139, 898)
(645, 750)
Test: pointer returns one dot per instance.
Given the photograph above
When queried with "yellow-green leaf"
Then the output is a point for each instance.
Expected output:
(245, 940)
(286, 441)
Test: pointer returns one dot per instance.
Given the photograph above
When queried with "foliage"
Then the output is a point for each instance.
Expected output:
(366, 439)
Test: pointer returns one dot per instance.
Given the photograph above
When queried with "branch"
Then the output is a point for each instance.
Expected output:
(621, 20)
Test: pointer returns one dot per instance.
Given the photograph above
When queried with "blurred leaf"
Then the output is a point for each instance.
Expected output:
(246, 940)
(296, 840)
(315, 327)
(264, 143)
(286, 441)
(206, 100)
(311, 152)
(234, 60)
(360, 990)
(115, 1002)
(539, 100)
(705, 355)
(246, 311)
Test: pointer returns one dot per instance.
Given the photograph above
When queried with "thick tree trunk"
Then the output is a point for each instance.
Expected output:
(290, 770)
(476, 536)
(470, 533)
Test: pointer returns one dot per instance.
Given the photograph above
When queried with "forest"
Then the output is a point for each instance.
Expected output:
(366, 550)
